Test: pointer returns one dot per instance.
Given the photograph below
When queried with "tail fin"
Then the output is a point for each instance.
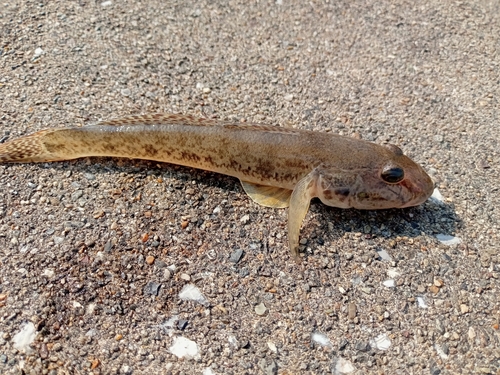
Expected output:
(26, 149)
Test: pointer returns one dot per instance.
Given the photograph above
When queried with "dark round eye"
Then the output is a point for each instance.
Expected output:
(393, 175)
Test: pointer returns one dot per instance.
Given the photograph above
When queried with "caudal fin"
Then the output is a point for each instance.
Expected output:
(26, 149)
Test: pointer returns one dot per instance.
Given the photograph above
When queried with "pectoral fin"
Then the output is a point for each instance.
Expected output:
(267, 196)
(301, 197)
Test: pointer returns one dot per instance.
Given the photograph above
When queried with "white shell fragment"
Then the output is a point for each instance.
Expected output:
(23, 339)
(191, 293)
(184, 348)
(38, 52)
(384, 255)
(440, 352)
(208, 371)
(381, 342)
(48, 272)
(437, 197)
(390, 283)
(421, 303)
(393, 273)
(260, 309)
(343, 366)
(272, 347)
(321, 339)
(448, 240)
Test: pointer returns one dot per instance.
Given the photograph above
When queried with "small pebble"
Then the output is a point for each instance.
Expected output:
(38, 52)
(389, 283)
(236, 256)
(351, 310)
(321, 339)
(191, 292)
(150, 259)
(434, 289)
(438, 282)
(464, 309)
(152, 288)
(260, 309)
(94, 364)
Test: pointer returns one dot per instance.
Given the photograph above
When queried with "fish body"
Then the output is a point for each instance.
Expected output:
(278, 167)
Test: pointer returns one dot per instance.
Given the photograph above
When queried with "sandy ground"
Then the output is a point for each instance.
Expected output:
(95, 252)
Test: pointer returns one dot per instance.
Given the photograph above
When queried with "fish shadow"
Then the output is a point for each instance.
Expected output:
(329, 223)
(429, 219)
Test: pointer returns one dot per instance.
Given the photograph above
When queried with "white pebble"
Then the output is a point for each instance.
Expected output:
(421, 303)
(288, 97)
(440, 352)
(272, 347)
(437, 197)
(381, 342)
(233, 341)
(106, 3)
(208, 371)
(390, 283)
(23, 339)
(58, 240)
(90, 308)
(184, 348)
(393, 273)
(321, 339)
(260, 309)
(384, 255)
(343, 366)
(38, 52)
(191, 293)
(48, 272)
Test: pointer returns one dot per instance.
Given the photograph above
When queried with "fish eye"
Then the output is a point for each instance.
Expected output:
(393, 175)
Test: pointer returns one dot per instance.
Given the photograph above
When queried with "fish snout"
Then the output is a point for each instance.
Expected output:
(420, 186)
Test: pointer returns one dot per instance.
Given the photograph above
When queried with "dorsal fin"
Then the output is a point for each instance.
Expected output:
(165, 118)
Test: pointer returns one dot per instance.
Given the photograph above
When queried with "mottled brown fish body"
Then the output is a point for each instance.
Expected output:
(260, 154)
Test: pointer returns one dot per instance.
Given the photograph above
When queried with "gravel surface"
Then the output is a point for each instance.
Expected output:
(115, 266)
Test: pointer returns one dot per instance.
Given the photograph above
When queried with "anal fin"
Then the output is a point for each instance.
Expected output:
(268, 196)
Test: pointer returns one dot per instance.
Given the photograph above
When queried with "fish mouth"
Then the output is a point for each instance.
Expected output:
(420, 190)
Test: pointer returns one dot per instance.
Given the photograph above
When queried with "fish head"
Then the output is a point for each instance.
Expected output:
(389, 180)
